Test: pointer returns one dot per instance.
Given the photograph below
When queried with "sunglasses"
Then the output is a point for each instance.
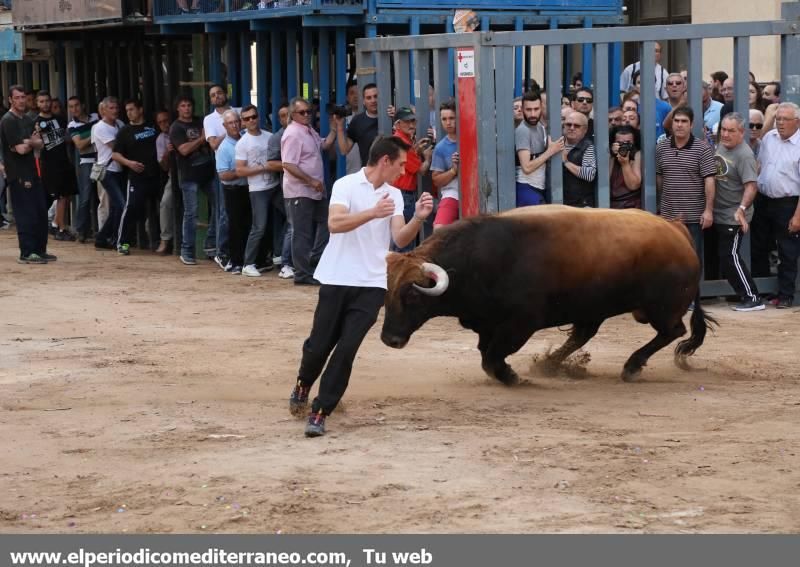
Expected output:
(249, 118)
(303, 112)
(756, 126)
(572, 125)
(674, 83)
(584, 99)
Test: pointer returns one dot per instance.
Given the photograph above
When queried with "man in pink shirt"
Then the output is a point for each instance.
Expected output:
(304, 189)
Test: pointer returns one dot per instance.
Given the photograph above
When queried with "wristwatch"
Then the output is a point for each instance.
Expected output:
(743, 208)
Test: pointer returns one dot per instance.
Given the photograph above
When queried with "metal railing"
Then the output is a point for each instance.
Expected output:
(189, 7)
(390, 61)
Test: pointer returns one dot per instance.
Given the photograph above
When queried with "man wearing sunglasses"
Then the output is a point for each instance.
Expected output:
(582, 102)
(580, 162)
(304, 189)
(757, 130)
(262, 181)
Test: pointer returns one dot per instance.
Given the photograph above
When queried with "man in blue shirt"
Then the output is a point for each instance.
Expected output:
(235, 192)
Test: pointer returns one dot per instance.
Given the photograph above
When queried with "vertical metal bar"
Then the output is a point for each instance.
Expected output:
(601, 124)
(384, 82)
(587, 58)
(160, 98)
(308, 71)
(291, 63)
(696, 84)
(614, 71)
(487, 127)
(262, 78)
(214, 58)
(274, 75)
(246, 71)
(518, 26)
(148, 72)
(401, 72)
(61, 60)
(648, 127)
(504, 94)
(421, 74)
(341, 87)
(441, 74)
(741, 70)
(554, 90)
(451, 60)
(324, 75)
(790, 68)
(414, 29)
(485, 23)
(232, 63)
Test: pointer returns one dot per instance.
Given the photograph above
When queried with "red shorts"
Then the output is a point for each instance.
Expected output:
(447, 213)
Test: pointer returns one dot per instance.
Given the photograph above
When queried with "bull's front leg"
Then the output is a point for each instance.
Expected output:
(496, 345)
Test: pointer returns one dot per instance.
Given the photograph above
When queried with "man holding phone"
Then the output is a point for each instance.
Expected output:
(418, 162)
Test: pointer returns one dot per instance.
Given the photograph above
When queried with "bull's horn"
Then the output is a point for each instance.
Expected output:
(437, 274)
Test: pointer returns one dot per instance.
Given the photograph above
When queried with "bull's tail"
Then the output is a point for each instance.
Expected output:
(701, 322)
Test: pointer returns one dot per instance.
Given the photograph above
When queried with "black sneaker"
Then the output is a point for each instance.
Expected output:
(750, 305)
(784, 303)
(65, 236)
(103, 245)
(316, 425)
(298, 401)
(31, 259)
(49, 257)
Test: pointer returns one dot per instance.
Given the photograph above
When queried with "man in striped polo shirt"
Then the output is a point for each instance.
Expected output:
(685, 171)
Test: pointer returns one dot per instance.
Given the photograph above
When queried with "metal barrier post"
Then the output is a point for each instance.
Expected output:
(601, 125)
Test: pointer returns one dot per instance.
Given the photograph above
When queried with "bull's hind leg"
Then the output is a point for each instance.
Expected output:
(580, 335)
(638, 359)
(496, 345)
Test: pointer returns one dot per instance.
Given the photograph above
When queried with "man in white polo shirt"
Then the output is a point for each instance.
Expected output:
(365, 216)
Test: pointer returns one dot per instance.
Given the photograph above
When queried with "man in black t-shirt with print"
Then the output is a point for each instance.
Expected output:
(30, 210)
(196, 172)
(363, 128)
(135, 150)
(58, 174)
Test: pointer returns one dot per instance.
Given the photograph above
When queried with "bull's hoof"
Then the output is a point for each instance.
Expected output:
(631, 374)
(509, 378)
(682, 362)
(548, 366)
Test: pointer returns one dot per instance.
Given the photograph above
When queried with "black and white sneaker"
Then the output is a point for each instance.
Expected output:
(750, 305)
(222, 262)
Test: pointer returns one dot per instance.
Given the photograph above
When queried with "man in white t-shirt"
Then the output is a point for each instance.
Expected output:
(214, 131)
(262, 179)
(104, 133)
(366, 215)
(626, 78)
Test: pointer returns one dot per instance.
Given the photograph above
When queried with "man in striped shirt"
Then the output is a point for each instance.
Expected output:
(685, 171)
(580, 163)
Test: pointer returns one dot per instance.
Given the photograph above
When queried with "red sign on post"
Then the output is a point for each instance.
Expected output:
(468, 132)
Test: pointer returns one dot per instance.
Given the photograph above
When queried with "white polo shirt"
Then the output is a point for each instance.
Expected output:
(780, 165)
(212, 124)
(358, 258)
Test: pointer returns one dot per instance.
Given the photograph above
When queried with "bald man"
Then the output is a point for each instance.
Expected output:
(580, 162)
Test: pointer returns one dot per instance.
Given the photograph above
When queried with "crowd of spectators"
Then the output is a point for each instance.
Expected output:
(267, 191)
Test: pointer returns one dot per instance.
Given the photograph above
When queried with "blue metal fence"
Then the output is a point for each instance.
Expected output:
(197, 7)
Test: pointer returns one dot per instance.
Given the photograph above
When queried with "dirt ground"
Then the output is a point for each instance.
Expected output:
(140, 395)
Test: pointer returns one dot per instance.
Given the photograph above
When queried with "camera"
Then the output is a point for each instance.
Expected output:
(625, 148)
(337, 110)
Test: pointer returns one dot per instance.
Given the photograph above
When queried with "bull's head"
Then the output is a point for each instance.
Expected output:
(414, 287)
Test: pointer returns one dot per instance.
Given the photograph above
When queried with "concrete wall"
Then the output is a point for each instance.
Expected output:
(765, 52)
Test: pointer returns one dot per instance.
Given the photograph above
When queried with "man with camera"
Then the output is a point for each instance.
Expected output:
(626, 169)
(362, 128)
(418, 161)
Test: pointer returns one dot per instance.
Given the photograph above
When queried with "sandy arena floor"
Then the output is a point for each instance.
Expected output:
(140, 395)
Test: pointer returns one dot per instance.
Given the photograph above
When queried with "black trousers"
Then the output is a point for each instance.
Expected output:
(309, 220)
(729, 239)
(771, 224)
(30, 211)
(342, 319)
(139, 192)
(240, 216)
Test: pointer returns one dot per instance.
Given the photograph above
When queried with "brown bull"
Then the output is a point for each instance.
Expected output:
(507, 276)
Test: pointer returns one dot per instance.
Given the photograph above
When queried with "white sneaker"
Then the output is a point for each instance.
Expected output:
(287, 272)
(251, 271)
(277, 260)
